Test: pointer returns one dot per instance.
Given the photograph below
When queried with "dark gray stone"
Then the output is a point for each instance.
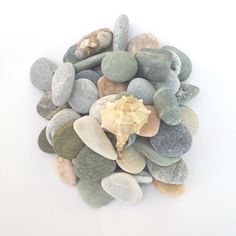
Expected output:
(43, 143)
(88, 74)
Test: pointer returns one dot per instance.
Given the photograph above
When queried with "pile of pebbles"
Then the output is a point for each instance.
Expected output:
(116, 112)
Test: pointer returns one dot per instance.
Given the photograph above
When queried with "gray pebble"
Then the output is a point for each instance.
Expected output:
(43, 143)
(88, 74)
(143, 177)
(83, 95)
(172, 141)
(120, 95)
(176, 63)
(131, 141)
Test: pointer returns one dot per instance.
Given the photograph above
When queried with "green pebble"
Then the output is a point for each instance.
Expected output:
(43, 143)
(120, 95)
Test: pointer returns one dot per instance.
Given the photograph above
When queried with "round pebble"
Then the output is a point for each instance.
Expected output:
(143, 177)
(43, 143)
(172, 189)
(88, 74)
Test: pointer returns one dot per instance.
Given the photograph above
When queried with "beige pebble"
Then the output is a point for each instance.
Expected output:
(172, 189)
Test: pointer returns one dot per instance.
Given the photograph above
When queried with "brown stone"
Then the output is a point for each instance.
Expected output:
(172, 189)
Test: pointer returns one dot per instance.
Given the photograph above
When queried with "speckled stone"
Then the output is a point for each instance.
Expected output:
(143, 177)
(167, 106)
(172, 189)
(189, 119)
(123, 187)
(174, 174)
(143, 146)
(43, 143)
(62, 83)
(142, 89)
(144, 40)
(172, 141)
(41, 74)
(132, 161)
(66, 142)
(119, 66)
(186, 93)
(91, 133)
(121, 30)
(88, 74)
(83, 95)
(153, 64)
(186, 67)
(93, 194)
(120, 95)
(91, 166)
(108, 87)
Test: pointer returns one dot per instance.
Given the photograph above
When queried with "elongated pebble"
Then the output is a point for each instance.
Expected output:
(88, 74)
(174, 174)
(143, 177)
(91, 133)
(43, 143)
(122, 187)
(172, 189)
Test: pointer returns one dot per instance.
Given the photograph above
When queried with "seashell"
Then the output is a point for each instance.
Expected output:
(124, 117)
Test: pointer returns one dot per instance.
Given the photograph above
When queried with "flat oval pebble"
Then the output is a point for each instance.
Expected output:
(91, 133)
(172, 189)
(66, 171)
(108, 87)
(66, 142)
(172, 141)
(119, 66)
(91, 166)
(43, 143)
(142, 89)
(120, 95)
(143, 146)
(123, 187)
(144, 40)
(189, 119)
(152, 126)
(167, 106)
(93, 194)
(62, 83)
(41, 74)
(143, 177)
(83, 95)
(88, 74)
(174, 174)
(131, 161)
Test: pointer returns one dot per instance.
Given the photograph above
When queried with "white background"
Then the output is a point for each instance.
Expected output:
(34, 202)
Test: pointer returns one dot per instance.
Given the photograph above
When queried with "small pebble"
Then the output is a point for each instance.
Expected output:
(88, 74)
(123, 187)
(120, 95)
(62, 83)
(172, 189)
(43, 143)
(131, 141)
(143, 177)
(176, 63)
(119, 66)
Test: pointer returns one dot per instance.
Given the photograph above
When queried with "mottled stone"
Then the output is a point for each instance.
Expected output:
(66, 142)
(172, 141)
(143, 177)
(91, 133)
(83, 95)
(91, 166)
(121, 30)
(122, 187)
(120, 95)
(174, 174)
(88, 74)
(43, 143)
(167, 106)
(41, 74)
(172, 189)
(62, 83)
(119, 66)
(142, 89)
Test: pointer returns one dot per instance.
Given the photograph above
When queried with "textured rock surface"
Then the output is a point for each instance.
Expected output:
(88, 74)
(143, 177)
(172, 189)
(43, 143)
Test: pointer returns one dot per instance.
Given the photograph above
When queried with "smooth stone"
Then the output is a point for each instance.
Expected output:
(98, 70)
(99, 105)
(132, 161)
(143, 146)
(91, 133)
(91, 166)
(131, 140)
(43, 143)
(167, 106)
(176, 64)
(189, 119)
(62, 83)
(88, 74)
(142, 89)
(93, 194)
(83, 95)
(120, 95)
(46, 108)
(186, 93)
(121, 30)
(174, 174)
(66, 171)
(119, 66)
(152, 126)
(172, 141)
(41, 74)
(172, 189)
(58, 119)
(66, 142)
(123, 187)
(108, 87)
(144, 40)
(153, 64)
(186, 67)
(143, 177)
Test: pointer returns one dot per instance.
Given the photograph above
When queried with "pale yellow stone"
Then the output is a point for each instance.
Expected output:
(172, 189)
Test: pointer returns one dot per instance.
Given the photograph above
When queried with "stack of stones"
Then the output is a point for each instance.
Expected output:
(110, 89)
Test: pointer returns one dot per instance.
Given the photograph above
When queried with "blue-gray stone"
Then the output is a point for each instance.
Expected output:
(88, 74)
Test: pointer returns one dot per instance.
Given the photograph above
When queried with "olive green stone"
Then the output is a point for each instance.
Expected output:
(66, 142)
(43, 143)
